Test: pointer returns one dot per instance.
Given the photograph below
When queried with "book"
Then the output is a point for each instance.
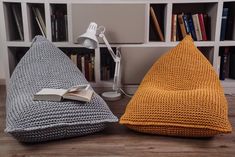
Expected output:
(197, 27)
(207, 22)
(78, 93)
(174, 27)
(39, 20)
(185, 19)
(191, 26)
(202, 27)
(182, 25)
(83, 65)
(224, 64)
(156, 24)
(224, 24)
(74, 59)
(232, 65)
(18, 19)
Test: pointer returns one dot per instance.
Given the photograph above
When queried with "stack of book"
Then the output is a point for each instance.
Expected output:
(227, 24)
(197, 25)
(59, 25)
(227, 63)
(107, 64)
(86, 63)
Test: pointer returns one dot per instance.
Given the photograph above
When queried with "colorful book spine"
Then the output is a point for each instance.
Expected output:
(185, 19)
(224, 24)
(197, 27)
(202, 26)
(174, 27)
(191, 26)
(182, 26)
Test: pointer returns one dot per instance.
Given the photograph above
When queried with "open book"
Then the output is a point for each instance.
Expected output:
(79, 93)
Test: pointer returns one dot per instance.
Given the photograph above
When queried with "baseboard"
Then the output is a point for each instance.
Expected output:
(2, 82)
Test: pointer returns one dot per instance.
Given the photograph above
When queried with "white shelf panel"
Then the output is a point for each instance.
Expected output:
(18, 44)
(230, 83)
(227, 43)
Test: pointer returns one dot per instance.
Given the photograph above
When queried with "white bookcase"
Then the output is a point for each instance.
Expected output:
(137, 49)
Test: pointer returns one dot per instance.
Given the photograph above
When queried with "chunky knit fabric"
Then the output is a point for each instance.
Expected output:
(45, 66)
(181, 95)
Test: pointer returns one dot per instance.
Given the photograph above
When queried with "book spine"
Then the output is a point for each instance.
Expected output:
(191, 26)
(202, 26)
(83, 64)
(223, 64)
(197, 27)
(226, 61)
(185, 19)
(224, 24)
(79, 62)
(87, 67)
(156, 24)
(182, 26)
(207, 25)
(18, 20)
(174, 27)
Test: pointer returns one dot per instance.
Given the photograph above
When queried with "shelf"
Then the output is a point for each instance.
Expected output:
(36, 17)
(206, 8)
(59, 22)
(159, 11)
(13, 21)
(15, 54)
(228, 22)
(228, 83)
(107, 64)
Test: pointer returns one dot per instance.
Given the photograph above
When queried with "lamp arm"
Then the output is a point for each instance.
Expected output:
(117, 59)
(108, 46)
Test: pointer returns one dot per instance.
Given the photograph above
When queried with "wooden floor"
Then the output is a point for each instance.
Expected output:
(116, 140)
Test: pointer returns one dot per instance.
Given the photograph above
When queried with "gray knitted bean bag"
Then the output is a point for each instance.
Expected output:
(45, 66)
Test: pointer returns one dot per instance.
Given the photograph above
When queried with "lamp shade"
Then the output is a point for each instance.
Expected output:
(89, 39)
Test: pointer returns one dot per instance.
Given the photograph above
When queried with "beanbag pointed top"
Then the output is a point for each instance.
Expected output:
(180, 95)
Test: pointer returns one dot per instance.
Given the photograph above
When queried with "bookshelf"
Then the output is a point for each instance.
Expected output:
(131, 30)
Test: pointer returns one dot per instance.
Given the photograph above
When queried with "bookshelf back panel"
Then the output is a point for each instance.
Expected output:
(124, 23)
(14, 28)
(136, 61)
(195, 8)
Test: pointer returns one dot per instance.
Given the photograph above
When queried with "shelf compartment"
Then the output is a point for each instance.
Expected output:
(124, 23)
(36, 19)
(14, 55)
(228, 23)
(84, 59)
(136, 61)
(208, 52)
(107, 64)
(226, 63)
(208, 9)
(157, 31)
(13, 21)
(59, 22)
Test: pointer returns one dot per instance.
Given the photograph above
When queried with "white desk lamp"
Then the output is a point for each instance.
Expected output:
(89, 40)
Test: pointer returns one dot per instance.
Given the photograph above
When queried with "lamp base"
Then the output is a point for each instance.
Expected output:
(111, 96)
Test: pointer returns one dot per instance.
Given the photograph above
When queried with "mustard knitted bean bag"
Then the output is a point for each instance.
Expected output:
(181, 95)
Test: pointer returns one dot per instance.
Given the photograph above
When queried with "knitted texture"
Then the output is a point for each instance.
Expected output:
(180, 95)
(45, 66)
